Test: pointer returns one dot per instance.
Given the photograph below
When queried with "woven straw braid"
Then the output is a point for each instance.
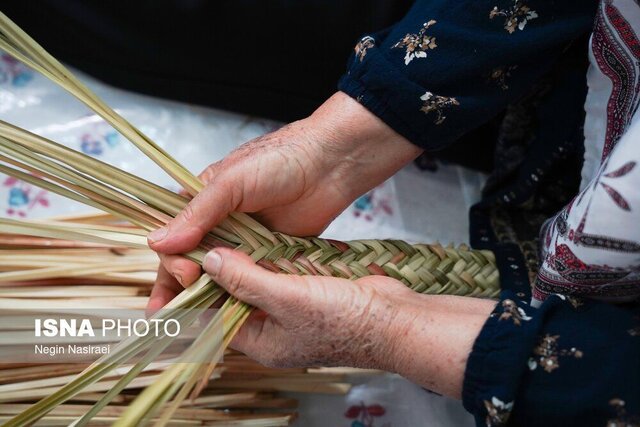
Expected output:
(424, 268)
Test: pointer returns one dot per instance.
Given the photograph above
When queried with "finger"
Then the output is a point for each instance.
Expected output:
(185, 193)
(242, 278)
(164, 290)
(254, 338)
(249, 331)
(204, 212)
(211, 172)
(184, 271)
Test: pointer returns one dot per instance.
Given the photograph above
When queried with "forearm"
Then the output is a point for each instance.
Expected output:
(366, 147)
(432, 337)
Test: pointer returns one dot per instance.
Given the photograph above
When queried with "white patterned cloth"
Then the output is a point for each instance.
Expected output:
(592, 247)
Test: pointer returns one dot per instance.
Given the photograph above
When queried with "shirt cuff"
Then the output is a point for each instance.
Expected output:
(498, 360)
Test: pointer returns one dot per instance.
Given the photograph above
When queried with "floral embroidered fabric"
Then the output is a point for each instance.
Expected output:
(543, 367)
(448, 68)
(591, 247)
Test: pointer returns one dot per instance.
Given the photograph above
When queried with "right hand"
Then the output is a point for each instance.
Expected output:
(295, 180)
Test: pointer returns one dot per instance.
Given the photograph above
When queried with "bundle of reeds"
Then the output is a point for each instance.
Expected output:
(44, 273)
(31, 158)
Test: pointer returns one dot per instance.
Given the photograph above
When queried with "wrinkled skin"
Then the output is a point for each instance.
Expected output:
(374, 322)
(297, 180)
(311, 321)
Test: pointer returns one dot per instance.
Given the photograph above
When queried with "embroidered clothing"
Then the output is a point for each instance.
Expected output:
(592, 247)
(517, 68)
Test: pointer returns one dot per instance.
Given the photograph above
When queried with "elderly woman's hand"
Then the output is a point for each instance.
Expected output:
(374, 322)
(295, 180)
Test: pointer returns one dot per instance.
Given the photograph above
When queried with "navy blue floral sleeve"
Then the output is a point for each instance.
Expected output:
(569, 362)
(450, 66)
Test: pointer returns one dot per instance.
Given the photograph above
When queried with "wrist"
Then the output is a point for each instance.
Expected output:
(356, 145)
(382, 327)
(433, 337)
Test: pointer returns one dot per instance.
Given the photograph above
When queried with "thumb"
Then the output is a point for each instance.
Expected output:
(204, 211)
(241, 277)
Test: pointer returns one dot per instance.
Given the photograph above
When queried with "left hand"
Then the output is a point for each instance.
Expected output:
(373, 322)
(295, 180)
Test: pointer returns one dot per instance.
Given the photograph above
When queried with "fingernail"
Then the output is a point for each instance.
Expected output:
(159, 234)
(212, 262)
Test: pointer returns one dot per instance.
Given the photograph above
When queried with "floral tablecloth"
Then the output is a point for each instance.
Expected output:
(413, 205)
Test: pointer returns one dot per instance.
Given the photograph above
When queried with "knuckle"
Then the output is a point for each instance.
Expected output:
(234, 279)
(192, 229)
(228, 186)
(210, 172)
(288, 292)
(188, 213)
(384, 285)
